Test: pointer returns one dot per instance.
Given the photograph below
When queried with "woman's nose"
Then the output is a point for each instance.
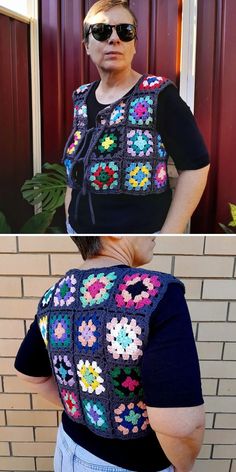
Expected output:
(114, 38)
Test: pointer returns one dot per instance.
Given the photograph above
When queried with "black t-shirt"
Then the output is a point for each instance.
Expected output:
(170, 377)
(143, 213)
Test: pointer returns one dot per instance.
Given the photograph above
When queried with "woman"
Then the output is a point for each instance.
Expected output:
(114, 345)
(125, 127)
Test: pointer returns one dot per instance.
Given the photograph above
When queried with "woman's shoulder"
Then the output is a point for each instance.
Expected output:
(159, 280)
(82, 89)
(152, 82)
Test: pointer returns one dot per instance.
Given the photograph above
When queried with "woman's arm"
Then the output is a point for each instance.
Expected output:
(44, 386)
(188, 192)
(180, 433)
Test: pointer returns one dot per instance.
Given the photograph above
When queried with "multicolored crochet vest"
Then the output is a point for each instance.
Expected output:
(95, 324)
(125, 154)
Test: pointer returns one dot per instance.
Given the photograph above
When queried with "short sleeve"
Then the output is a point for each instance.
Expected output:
(32, 357)
(170, 368)
(179, 131)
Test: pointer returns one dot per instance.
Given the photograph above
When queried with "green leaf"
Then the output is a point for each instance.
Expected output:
(233, 213)
(57, 167)
(4, 226)
(55, 230)
(226, 229)
(38, 223)
(46, 188)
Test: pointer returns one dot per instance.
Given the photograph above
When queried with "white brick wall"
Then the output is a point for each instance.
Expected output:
(207, 266)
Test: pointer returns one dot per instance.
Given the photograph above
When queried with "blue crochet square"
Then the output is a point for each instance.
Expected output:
(109, 145)
(130, 419)
(87, 332)
(46, 299)
(43, 326)
(140, 143)
(161, 150)
(138, 177)
(118, 113)
(104, 176)
(126, 381)
(65, 293)
(64, 369)
(141, 110)
(96, 413)
(95, 288)
(73, 143)
(123, 343)
(60, 327)
(92, 376)
(160, 176)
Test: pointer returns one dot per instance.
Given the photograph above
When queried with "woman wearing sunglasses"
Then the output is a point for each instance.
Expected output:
(125, 127)
(113, 344)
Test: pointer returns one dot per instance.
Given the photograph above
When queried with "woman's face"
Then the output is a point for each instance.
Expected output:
(112, 55)
(142, 248)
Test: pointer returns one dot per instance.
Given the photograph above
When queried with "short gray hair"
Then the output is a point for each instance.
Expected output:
(105, 5)
(88, 246)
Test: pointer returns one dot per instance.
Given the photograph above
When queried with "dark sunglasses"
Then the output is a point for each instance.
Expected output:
(101, 31)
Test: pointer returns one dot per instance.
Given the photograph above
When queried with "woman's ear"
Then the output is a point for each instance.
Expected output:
(86, 45)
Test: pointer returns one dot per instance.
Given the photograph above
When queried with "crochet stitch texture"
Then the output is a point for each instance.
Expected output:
(95, 325)
(124, 152)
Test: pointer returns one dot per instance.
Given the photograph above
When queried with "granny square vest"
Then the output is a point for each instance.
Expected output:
(95, 325)
(124, 153)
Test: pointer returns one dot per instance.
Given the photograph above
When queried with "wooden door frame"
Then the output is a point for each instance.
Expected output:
(188, 52)
(32, 20)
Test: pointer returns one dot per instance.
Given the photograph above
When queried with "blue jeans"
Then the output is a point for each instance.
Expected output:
(70, 457)
(69, 228)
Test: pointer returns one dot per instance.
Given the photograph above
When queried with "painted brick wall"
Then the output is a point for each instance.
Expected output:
(207, 265)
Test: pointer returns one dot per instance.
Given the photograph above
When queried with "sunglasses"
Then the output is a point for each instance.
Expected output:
(101, 31)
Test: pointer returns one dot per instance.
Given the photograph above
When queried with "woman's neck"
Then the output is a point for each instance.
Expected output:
(101, 261)
(111, 256)
(114, 85)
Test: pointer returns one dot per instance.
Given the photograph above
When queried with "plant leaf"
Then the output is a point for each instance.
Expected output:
(4, 226)
(54, 230)
(233, 213)
(46, 188)
(226, 229)
(57, 167)
(38, 223)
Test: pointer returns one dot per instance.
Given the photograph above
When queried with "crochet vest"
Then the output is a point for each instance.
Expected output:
(125, 154)
(95, 325)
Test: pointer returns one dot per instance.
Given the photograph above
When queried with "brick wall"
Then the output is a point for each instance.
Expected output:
(29, 264)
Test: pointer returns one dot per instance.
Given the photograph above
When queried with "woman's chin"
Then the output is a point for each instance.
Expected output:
(113, 66)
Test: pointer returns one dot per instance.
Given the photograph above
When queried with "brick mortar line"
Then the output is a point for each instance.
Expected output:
(30, 297)
(211, 451)
(173, 265)
(34, 433)
(10, 448)
(223, 351)
(5, 417)
(25, 327)
(196, 336)
(17, 245)
(49, 264)
(22, 287)
(234, 268)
